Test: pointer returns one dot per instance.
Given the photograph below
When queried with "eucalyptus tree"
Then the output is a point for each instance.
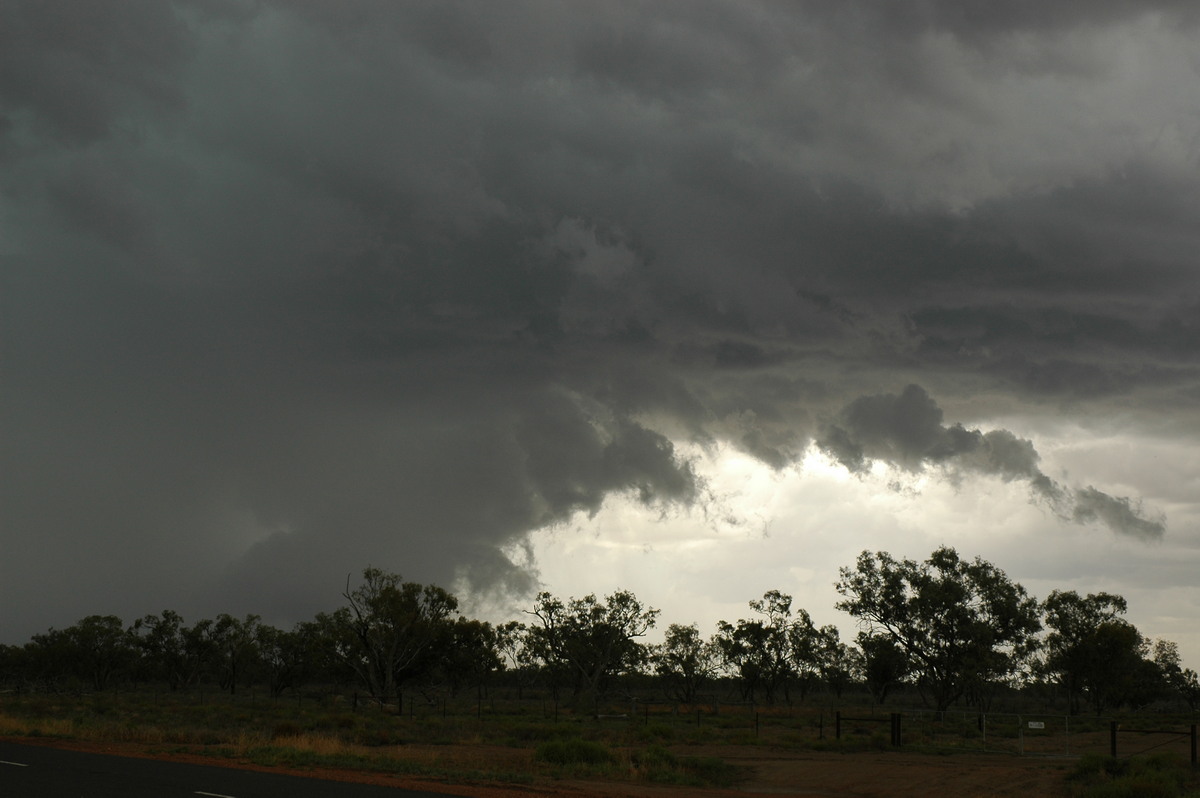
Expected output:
(963, 625)
(237, 652)
(885, 665)
(97, 651)
(519, 662)
(466, 654)
(1095, 654)
(806, 652)
(287, 657)
(173, 651)
(838, 664)
(592, 639)
(386, 627)
(13, 669)
(761, 652)
(1183, 681)
(685, 662)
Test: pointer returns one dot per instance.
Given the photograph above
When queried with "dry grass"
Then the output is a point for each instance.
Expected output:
(39, 727)
(320, 744)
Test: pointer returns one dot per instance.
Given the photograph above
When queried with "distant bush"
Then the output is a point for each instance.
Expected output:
(657, 764)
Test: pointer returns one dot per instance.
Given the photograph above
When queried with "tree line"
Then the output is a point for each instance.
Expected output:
(951, 630)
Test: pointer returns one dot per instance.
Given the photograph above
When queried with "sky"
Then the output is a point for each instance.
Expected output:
(695, 299)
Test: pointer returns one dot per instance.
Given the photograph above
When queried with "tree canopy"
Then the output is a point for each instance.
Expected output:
(386, 626)
(955, 629)
(1094, 653)
(593, 638)
(964, 625)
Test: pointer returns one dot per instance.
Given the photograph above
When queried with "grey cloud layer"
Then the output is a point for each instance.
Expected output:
(293, 287)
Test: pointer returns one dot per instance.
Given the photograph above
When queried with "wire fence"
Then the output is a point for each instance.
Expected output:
(847, 726)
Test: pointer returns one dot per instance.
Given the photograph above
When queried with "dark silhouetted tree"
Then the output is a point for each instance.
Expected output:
(884, 664)
(236, 649)
(95, 652)
(838, 664)
(760, 652)
(467, 654)
(1094, 653)
(962, 624)
(288, 658)
(1181, 681)
(593, 639)
(386, 627)
(685, 662)
(171, 650)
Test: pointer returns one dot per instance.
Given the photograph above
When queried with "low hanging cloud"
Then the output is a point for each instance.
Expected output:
(1117, 513)
(906, 431)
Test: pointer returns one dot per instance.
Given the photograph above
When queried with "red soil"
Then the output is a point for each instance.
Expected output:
(776, 772)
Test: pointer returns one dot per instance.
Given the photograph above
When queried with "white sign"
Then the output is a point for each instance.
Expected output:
(1036, 724)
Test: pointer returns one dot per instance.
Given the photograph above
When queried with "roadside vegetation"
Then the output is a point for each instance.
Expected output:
(499, 738)
(440, 742)
(1161, 776)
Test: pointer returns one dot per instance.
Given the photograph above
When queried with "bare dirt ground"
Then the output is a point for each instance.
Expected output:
(772, 771)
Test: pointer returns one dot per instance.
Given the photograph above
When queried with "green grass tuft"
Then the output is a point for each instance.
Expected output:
(1161, 776)
(574, 752)
(657, 764)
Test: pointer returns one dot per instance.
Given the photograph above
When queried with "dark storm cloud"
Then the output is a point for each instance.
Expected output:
(290, 288)
(1117, 513)
(979, 17)
(74, 66)
(906, 430)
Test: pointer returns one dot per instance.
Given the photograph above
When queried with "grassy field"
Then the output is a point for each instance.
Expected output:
(510, 741)
(338, 732)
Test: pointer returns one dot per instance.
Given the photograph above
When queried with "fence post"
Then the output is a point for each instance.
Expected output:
(896, 729)
(1193, 745)
(1112, 738)
(837, 725)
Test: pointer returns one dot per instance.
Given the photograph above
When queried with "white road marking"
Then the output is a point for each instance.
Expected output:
(14, 764)
(213, 794)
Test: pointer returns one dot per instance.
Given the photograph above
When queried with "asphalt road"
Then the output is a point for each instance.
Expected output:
(31, 771)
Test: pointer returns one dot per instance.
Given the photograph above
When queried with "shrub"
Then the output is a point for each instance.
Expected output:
(285, 729)
(574, 752)
(653, 757)
(1163, 776)
(710, 770)
(659, 732)
(522, 733)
